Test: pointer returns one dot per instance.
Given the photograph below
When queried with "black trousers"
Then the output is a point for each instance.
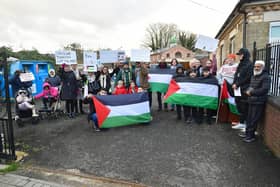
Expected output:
(185, 111)
(159, 95)
(242, 107)
(49, 101)
(70, 104)
(255, 113)
(80, 102)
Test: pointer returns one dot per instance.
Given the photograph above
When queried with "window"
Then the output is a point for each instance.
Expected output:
(232, 44)
(274, 32)
(188, 55)
(167, 55)
(178, 55)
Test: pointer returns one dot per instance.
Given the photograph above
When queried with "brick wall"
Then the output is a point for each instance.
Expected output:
(271, 125)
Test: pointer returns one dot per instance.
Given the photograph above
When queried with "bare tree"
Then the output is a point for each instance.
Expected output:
(158, 35)
(187, 40)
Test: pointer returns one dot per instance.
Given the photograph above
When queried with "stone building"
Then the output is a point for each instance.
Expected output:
(250, 21)
(183, 55)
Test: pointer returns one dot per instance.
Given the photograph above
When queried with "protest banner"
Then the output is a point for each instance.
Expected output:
(140, 55)
(65, 57)
(26, 77)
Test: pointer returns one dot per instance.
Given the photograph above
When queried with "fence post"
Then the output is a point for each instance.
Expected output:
(254, 52)
(268, 56)
(8, 106)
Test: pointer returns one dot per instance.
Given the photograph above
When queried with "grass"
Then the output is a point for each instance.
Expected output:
(12, 167)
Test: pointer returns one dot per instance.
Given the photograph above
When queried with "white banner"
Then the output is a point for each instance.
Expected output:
(65, 57)
(109, 56)
(140, 55)
(121, 56)
(90, 58)
(26, 77)
(206, 43)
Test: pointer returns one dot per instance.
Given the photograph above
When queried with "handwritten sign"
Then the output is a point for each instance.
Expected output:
(65, 57)
(140, 55)
(90, 58)
(26, 77)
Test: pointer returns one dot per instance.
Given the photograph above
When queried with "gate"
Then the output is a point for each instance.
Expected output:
(7, 148)
(271, 56)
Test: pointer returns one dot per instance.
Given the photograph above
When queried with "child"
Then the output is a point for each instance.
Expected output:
(132, 88)
(49, 95)
(140, 90)
(191, 112)
(25, 103)
(120, 89)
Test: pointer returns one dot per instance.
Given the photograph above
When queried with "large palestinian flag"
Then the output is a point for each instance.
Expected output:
(122, 110)
(193, 92)
(159, 79)
(227, 97)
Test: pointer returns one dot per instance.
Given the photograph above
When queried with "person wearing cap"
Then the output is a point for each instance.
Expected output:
(241, 80)
(126, 74)
(53, 79)
(227, 71)
(257, 96)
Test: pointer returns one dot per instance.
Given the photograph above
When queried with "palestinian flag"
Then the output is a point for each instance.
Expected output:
(227, 97)
(193, 92)
(159, 79)
(122, 110)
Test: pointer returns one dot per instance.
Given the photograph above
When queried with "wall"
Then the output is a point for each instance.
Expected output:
(271, 125)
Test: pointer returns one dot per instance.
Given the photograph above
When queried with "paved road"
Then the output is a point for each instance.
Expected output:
(165, 153)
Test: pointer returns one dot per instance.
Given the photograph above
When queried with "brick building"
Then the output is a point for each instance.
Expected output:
(250, 20)
(183, 55)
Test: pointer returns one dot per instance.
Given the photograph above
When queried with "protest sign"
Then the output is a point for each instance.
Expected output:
(65, 57)
(109, 56)
(206, 43)
(90, 58)
(26, 77)
(140, 55)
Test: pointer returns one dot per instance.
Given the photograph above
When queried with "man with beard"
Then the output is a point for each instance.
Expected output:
(257, 96)
(241, 80)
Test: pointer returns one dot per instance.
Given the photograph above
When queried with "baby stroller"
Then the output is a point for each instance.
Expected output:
(25, 108)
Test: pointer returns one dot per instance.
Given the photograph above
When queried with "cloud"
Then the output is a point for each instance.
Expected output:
(51, 24)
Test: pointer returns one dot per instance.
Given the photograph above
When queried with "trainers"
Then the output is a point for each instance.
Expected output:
(239, 126)
(16, 117)
(35, 115)
(249, 139)
(243, 130)
(242, 134)
(97, 130)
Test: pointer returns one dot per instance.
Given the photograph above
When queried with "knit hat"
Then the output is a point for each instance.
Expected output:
(260, 62)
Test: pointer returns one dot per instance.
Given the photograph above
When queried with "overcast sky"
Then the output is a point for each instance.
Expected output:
(48, 25)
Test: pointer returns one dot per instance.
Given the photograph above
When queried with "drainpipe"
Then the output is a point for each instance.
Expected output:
(244, 29)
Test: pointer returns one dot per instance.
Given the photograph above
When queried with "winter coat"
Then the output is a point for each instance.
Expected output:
(243, 73)
(259, 87)
(120, 90)
(54, 81)
(51, 92)
(104, 81)
(69, 87)
(144, 78)
(127, 76)
(132, 91)
(17, 84)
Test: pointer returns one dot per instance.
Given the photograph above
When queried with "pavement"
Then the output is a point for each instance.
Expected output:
(165, 153)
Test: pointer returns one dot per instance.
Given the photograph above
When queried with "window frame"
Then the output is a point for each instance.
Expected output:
(272, 24)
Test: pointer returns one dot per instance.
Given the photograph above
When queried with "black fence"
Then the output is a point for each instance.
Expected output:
(7, 148)
(271, 56)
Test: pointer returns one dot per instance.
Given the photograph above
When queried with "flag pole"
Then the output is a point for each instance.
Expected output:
(219, 106)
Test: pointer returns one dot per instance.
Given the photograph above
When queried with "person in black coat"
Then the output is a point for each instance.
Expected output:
(257, 96)
(180, 76)
(69, 88)
(17, 84)
(241, 79)
(104, 79)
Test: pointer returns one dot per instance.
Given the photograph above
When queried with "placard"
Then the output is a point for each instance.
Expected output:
(90, 58)
(65, 57)
(140, 55)
(109, 56)
(206, 43)
(26, 77)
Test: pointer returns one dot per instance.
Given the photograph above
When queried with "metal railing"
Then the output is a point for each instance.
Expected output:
(271, 56)
(7, 148)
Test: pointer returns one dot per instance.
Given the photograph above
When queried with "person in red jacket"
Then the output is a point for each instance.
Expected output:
(132, 88)
(120, 89)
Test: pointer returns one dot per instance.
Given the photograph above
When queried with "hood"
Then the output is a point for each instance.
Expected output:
(246, 55)
(52, 70)
(46, 84)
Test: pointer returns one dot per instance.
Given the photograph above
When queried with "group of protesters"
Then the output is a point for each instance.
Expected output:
(77, 87)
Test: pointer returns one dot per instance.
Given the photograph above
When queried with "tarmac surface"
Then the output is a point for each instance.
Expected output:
(166, 152)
